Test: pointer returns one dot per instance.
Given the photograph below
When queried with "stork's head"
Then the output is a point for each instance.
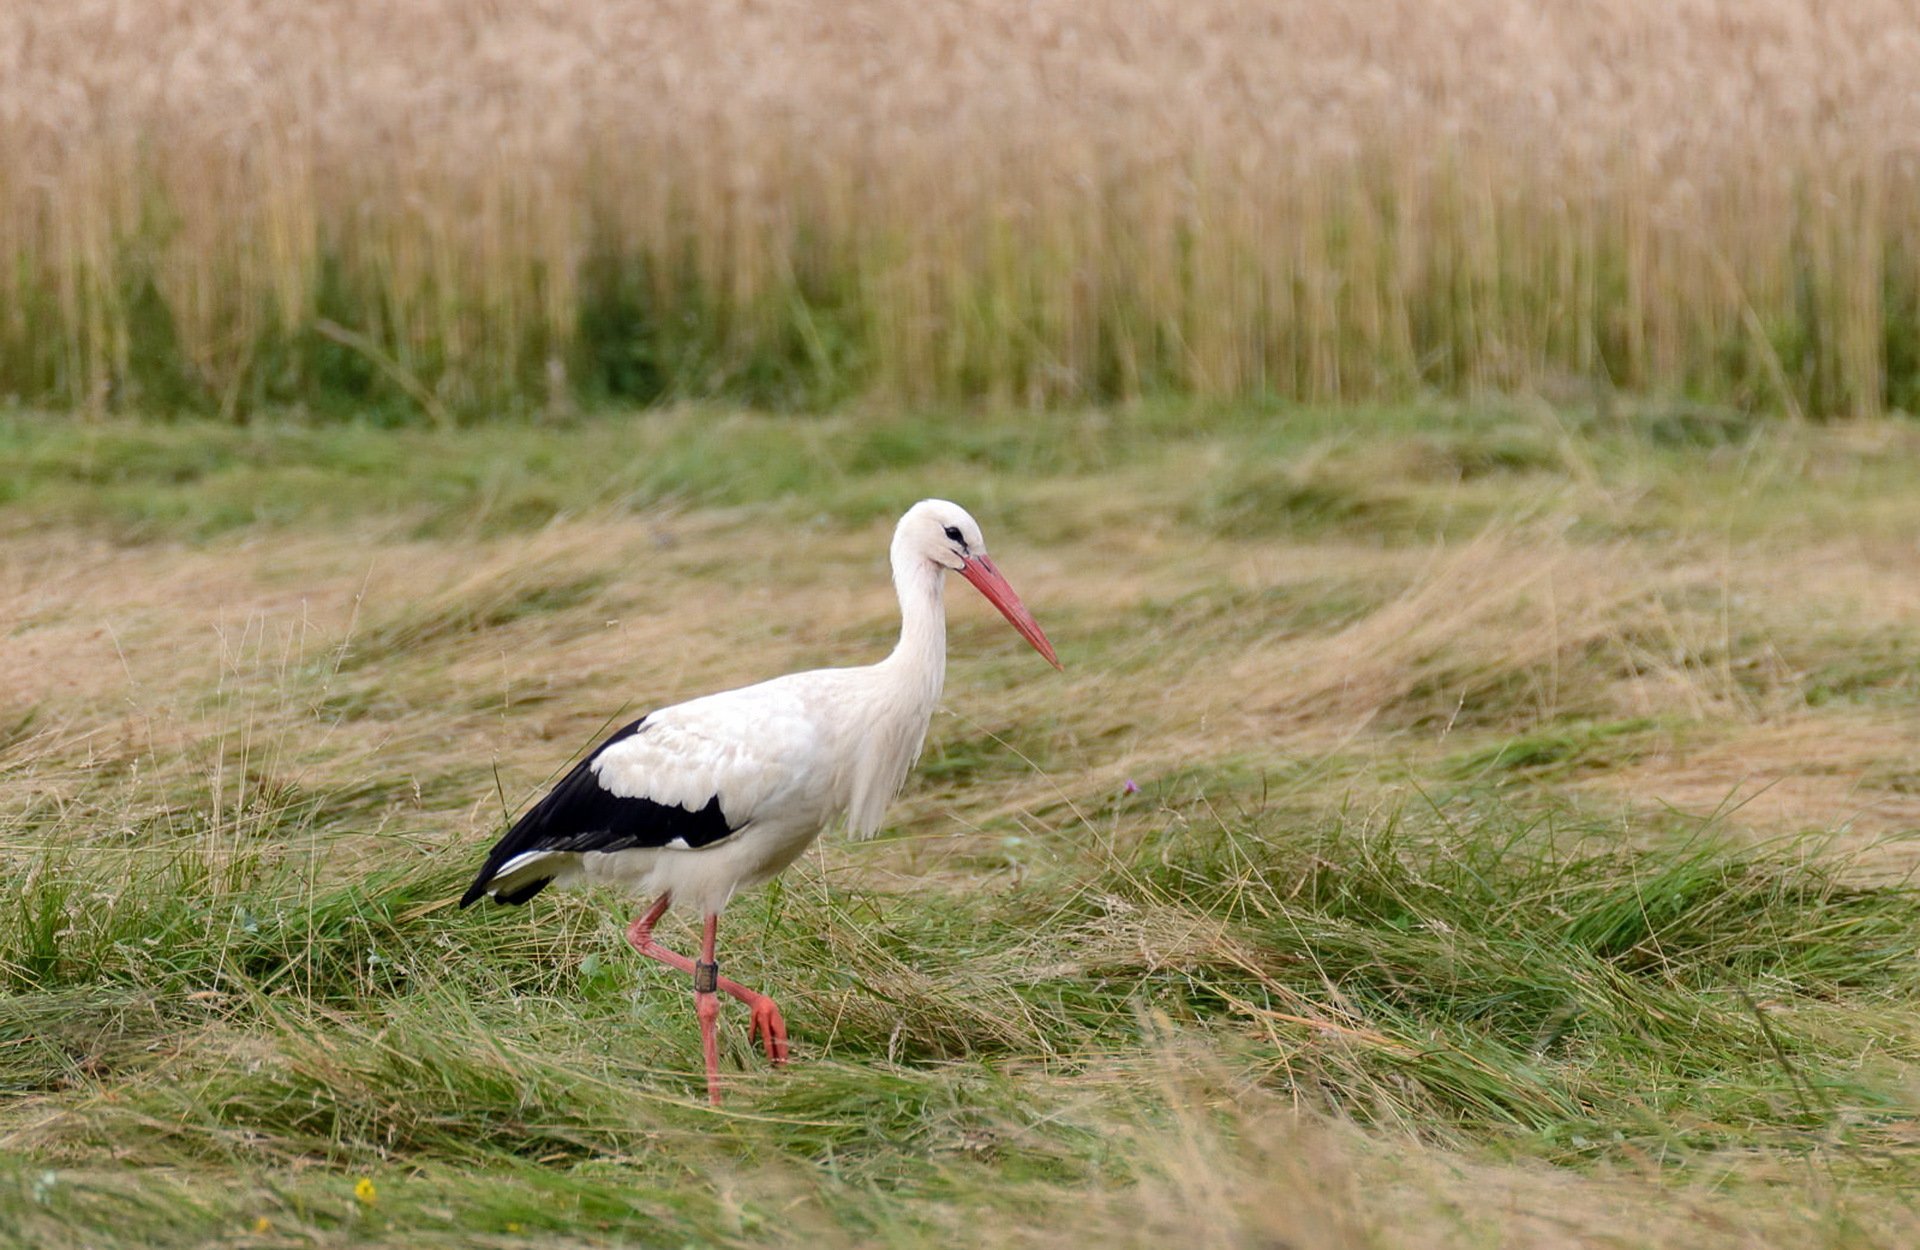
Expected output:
(943, 534)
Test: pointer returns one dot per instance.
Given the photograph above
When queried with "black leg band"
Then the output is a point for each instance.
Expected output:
(706, 977)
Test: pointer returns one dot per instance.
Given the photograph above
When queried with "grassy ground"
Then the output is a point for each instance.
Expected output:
(1454, 827)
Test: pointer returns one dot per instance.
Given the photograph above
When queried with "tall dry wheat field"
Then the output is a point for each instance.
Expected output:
(450, 205)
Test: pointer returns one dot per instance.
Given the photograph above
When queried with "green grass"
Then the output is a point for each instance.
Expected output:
(1160, 950)
(1251, 473)
(1479, 980)
(1486, 978)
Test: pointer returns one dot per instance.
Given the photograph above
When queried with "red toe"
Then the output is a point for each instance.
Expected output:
(771, 1030)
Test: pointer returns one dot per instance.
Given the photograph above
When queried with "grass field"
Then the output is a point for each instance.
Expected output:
(1516, 851)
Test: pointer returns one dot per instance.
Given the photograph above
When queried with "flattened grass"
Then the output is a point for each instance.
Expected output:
(1475, 932)
(1468, 977)
(1391, 901)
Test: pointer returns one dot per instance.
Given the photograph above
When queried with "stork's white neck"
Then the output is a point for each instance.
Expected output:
(903, 689)
(919, 659)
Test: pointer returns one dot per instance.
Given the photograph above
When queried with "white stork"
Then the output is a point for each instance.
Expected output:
(705, 798)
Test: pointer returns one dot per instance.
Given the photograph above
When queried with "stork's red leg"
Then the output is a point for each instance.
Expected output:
(706, 1005)
(767, 1027)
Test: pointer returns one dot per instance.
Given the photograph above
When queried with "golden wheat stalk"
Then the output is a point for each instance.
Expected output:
(1019, 201)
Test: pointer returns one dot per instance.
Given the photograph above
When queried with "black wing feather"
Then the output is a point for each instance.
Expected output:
(580, 814)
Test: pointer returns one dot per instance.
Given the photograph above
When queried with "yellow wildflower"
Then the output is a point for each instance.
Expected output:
(363, 1190)
(263, 1225)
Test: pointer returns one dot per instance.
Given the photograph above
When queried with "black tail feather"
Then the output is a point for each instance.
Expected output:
(580, 815)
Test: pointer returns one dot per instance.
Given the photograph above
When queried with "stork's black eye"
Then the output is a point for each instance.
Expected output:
(953, 532)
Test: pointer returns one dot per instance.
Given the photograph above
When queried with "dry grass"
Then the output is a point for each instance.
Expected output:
(1291, 648)
(447, 206)
(1349, 972)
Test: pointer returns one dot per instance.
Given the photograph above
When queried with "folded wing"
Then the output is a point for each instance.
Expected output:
(686, 778)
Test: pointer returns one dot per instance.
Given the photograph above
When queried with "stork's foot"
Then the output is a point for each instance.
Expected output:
(767, 1027)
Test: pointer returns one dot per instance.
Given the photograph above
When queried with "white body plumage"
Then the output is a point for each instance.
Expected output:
(782, 759)
(786, 758)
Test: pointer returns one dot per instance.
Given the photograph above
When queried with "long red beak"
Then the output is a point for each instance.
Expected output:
(987, 580)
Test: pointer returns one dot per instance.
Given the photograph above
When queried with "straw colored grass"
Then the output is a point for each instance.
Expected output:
(440, 208)
(1516, 857)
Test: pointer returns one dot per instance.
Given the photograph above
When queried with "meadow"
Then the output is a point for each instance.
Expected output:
(1462, 452)
(1456, 826)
